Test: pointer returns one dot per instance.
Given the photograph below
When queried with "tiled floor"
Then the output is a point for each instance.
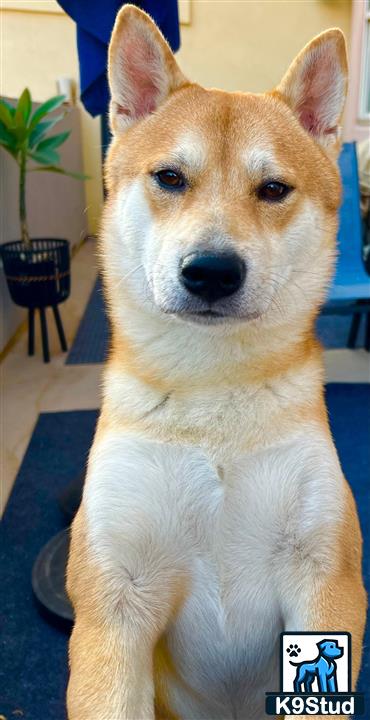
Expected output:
(31, 387)
(347, 365)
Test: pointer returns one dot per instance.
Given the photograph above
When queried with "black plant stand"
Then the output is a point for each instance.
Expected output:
(38, 277)
(44, 331)
(59, 324)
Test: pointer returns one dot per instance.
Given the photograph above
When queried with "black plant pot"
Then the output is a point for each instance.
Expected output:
(39, 277)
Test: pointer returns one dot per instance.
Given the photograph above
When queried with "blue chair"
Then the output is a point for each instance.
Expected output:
(349, 293)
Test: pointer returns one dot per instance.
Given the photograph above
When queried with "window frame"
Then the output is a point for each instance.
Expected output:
(356, 123)
(363, 113)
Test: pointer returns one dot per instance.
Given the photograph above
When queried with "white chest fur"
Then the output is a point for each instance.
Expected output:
(234, 531)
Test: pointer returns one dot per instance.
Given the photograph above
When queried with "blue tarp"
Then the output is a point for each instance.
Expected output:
(95, 20)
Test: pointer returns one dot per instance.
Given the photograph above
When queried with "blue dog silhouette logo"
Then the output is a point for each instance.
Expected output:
(323, 668)
(315, 676)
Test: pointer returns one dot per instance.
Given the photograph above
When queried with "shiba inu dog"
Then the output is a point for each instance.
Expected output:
(215, 513)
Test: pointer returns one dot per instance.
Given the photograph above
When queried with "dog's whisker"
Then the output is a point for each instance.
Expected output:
(129, 273)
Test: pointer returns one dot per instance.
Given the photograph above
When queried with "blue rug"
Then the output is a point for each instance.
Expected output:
(91, 342)
(33, 665)
(33, 653)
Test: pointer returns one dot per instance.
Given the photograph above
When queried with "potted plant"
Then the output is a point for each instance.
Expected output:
(38, 269)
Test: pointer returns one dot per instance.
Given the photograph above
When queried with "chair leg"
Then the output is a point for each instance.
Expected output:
(355, 324)
(59, 324)
(31, 331)
(367, 333)
(44, 335)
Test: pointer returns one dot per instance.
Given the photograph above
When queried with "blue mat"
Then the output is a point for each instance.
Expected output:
(33, 653)
(91, 342)
(33, 666)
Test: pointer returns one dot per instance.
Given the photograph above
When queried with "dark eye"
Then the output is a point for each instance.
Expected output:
(273, 191)
(170, 179)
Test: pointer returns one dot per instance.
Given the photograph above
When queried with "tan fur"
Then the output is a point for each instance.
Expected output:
(342, 603)
(276, 364)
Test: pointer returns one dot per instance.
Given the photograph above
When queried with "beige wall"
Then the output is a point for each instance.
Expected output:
(248, 44)
(38, 48)
(233, 44)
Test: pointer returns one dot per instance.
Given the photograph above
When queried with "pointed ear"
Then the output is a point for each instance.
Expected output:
(315, 86)
(142, 70)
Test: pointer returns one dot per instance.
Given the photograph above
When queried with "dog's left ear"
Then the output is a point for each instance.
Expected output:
(315, 86)
(142, 69)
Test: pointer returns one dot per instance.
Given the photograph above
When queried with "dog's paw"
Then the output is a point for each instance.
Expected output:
(293, 650)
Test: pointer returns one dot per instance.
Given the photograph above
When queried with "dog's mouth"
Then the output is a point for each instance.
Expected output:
(213, 317)
(207, 317)
(186, 309)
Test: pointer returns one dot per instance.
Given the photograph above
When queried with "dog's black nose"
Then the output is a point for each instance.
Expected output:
(212, 276)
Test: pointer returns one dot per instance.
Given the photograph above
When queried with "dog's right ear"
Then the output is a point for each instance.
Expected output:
(141, 68)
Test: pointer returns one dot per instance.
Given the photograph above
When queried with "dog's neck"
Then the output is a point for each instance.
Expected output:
(180, 353)
(211, 386)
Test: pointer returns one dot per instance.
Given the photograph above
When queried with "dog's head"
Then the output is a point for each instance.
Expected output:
(222, 206)
(330, 649)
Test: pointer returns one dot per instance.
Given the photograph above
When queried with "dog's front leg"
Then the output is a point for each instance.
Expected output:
(322, 586)
(111, 674)
(125, 579)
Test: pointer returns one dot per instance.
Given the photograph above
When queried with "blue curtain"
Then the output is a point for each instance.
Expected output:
(95, 20)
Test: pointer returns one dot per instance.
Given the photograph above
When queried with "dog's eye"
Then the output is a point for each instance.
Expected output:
(170, 179)
(273, 191)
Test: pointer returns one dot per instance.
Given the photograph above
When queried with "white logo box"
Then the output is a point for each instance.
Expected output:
(307, 642)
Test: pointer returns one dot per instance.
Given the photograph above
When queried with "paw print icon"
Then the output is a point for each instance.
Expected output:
(293, 650)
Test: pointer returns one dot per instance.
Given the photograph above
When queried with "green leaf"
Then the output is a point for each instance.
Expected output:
(41, 129)
(45, 157)
(5, 114)
(7, 138)
(20, 132)
(24, 107)
(10, 107)
(53, 142)
(45, 108)
(61, 171)
(13, 153)
(8, 142)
